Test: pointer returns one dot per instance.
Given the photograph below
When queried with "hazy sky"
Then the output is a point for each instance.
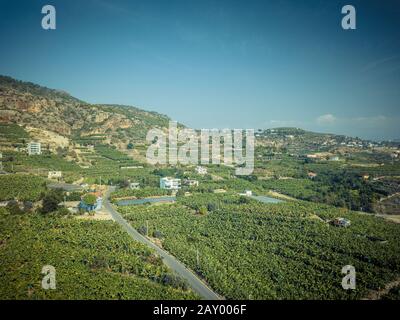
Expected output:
(236, 64)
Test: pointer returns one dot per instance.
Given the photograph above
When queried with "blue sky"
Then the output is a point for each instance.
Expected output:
(236, 64)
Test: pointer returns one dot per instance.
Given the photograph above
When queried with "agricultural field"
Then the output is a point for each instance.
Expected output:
(251, 250)
(139, 193)
(93, 260)
(21, 187)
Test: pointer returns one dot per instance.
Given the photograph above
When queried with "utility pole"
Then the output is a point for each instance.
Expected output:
(197, 258)
(147, 228)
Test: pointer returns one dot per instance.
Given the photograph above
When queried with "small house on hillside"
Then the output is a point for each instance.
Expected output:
(54, 175)
(247, 193)
(134, 185)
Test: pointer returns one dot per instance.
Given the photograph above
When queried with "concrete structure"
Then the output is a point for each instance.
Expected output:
(191, 182)
(34, 148)
(219, 191)
(201, 170)
(54, 175)
(246, 193)
(170, 183)
(134, 185)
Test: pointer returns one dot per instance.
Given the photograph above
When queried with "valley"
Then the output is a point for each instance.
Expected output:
(213, 225)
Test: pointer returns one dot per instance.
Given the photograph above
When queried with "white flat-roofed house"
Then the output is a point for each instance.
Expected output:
(54, 175)
(201, 170)
(134, 185)
(246, 193)
(170, 183)
(34, 148)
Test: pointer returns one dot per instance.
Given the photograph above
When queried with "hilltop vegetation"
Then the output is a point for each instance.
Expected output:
(28, 104)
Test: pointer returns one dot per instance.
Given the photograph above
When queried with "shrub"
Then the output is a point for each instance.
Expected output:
(142, 230)
(157, 234)
(211, 207)
(89, 199)
(99, 263)
(202, 210)
(28, 206)
(13, 207)
(74, 196)
(174, 281)
(62, 211)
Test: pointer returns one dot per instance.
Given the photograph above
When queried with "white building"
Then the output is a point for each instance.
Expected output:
(201, 170)
(54, 174)
(246, 193)
(170, 183)
(34, 148)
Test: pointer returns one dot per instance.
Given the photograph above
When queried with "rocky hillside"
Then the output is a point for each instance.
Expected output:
(52, 112)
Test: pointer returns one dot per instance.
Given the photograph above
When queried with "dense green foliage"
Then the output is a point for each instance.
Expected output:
(275, 251)
(93, 260)
(51, 201)
(111, 153)
(139, 193)
(89, 199)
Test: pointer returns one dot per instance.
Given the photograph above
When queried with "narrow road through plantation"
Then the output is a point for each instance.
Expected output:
(194, 281)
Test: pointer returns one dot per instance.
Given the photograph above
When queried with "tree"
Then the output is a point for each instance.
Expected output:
(202, 210)
(142, 230)
(50, 203)
(125, 183)
(51, 200)
(28, 206)
(130, 146)
(90, 199)
(211, 207)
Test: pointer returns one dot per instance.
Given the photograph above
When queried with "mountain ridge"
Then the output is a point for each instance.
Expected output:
(31, 105)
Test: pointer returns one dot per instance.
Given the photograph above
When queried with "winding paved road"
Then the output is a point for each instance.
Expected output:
(194, 282)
